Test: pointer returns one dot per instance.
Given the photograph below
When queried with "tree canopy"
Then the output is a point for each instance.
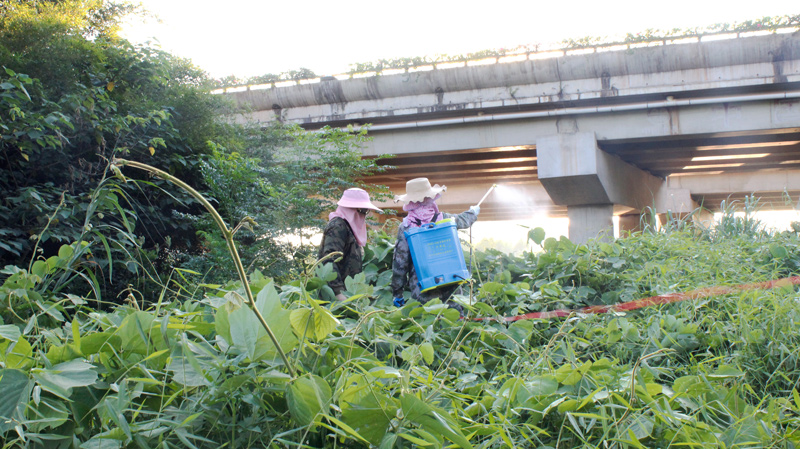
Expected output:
(73, 95)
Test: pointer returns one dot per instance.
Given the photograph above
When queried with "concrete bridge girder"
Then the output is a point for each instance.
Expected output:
(637, 124)
(642, 72)
(527, 94)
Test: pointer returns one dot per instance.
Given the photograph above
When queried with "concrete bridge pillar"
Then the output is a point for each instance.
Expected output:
(588, 222)
(591, 183)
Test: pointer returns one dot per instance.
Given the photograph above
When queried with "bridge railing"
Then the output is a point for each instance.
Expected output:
(525, 53)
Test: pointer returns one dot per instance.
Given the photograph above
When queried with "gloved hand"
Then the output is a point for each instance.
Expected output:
(475, 209)
(341, 297)
(399, 302)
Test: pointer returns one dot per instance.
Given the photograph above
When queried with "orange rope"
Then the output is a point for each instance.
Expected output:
(651, 301)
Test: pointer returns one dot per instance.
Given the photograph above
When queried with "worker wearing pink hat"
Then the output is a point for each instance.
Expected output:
(346, 232)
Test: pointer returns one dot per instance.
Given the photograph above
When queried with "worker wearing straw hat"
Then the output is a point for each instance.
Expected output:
(420, 203)
(346, 232)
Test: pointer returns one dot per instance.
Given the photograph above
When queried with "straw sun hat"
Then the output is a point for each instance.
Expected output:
(418, 189)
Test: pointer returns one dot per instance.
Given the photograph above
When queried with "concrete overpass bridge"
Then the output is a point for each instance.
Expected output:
(588, 133)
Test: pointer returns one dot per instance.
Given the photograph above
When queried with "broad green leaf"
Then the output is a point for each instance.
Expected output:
(15, 391)
(492, 287)
(186, 373)
(411, 354)
(386, 372)
(744, 433)
(314, 324)
(725, 371)
(369, 415)
(692, 386)
(520, 331)
(536, 235)
(10, 332)
(65, 252)
(325, 272)
(570, 405)
(222, 324)
(248, 335)
(591, 416)
(233, 383)
(48, 413)
(135, 332)
(507, 394)
(573, 378)
(541, 385)
(796, 396)
(19, 356)
(433, 419)
(778, 251)
(427, 352)
(307, 397)
(39, 268)
(641, 426)
(244, 327)
(63, 353)
(76, 332)
(63, 377)
(268, 301)
(100, 342)
(342, 428)
(98, 442)
(388, 441)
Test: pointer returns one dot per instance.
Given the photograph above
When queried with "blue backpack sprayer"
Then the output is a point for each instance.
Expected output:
(436, 253)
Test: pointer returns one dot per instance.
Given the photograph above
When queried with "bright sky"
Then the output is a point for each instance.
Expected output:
(255, 37)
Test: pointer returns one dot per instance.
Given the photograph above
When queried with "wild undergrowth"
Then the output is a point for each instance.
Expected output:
(194, 367)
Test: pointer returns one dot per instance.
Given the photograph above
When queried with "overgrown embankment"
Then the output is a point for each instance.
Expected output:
(187, 368)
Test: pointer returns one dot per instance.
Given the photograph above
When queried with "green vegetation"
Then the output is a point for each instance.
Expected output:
(73, 96)
(136, 314)
(196, 368)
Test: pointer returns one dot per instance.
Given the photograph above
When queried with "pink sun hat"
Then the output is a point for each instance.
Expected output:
(356, 199)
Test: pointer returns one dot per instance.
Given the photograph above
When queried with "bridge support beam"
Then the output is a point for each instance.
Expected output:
(592, 183)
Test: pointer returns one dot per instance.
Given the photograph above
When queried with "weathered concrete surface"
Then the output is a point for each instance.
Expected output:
(575, 172)
(591, 183)
(773, 181)
(590, 222)
(651, 72)
(642, 124)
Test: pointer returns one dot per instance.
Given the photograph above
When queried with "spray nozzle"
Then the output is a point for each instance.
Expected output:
(487, 194)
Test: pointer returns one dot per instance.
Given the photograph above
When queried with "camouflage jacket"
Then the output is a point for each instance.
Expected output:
(339, 237)
(403, 272)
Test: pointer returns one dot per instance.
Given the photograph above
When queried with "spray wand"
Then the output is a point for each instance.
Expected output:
(487, 194)
(471, 259)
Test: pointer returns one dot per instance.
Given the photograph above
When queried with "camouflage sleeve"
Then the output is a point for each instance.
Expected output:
(401, 264)
(464, 219)
(335, 238)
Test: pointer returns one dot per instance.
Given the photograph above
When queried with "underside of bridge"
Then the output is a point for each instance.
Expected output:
(674, 127)
(722, 159)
